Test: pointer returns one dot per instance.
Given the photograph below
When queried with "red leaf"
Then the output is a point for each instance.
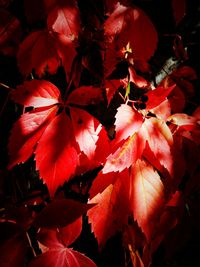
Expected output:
(64, 18)
(126, 155)
(125, 25)
(128, 122)
(26, 132)
(85, 95)
(111, 212)
(58, 254)
(36, 93)
(157, 96)
(111, 88)
(103, 180)
(86, 130)
(61, 212)
(160, 140)
(65, 235)
(138, 80)
(71, 232)
(162, 111)
(56, 156)
(66, 51)
(62, 257)
(147, 196)
(184, 121)
(40, 50)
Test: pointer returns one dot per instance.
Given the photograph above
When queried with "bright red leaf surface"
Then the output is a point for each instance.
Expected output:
(147, 196)
(27, 131)
(60, 212)
(126, 155)
(111, 211)
(160, 141)
(103, 180)
(125, 25)
(86, 130)
(157, 96)
(128, 122)
(56, 155)
(36, 93)
(56, 139)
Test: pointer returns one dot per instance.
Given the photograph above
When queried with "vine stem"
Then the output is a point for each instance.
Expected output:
(5, 86)
(30, 244)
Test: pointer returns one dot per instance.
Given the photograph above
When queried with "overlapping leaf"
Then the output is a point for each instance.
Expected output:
(160, 141)
(58, 254)
(60, 212)
(126, 155)
(36, 93)
(125, 25)
(128, 122)
(64, 18)
(27, 131)
(147, 196)
(56, 154)
(41, 51)
(111, 211)
(56, 139)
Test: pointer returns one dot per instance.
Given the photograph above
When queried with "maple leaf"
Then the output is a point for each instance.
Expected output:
(56, 139)
(147, 196)
(64, 18)
(125, 25)
(112, 209)
(58, 254)
(40, 48)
